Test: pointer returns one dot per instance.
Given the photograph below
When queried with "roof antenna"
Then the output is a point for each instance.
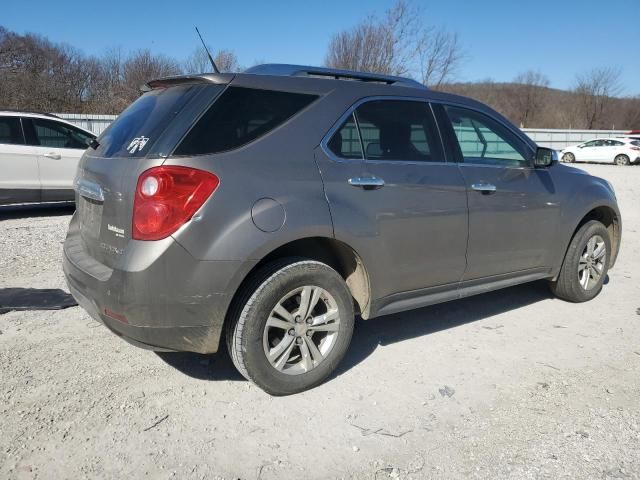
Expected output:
(213, 64)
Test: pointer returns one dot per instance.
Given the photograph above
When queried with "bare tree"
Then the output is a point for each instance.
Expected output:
(369, 47)
(198, 61)
(440, 54)
(529, 95)
(397, 44)
(595, 90)
(142, 66)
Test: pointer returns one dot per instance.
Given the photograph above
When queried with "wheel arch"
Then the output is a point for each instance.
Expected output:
(610, 218)
(338, 255)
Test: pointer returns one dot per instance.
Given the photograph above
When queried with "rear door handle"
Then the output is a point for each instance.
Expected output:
(368, 183)
(484, 187)
(53, 155)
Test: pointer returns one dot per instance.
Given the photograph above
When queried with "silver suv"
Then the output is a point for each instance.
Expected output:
(269, 208)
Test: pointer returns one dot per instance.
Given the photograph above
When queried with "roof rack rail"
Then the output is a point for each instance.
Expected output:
(337, 74)
(33, 112)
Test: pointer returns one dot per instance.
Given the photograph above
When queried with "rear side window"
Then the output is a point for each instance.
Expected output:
(345, 143)
(10, 131)
(137, 128)
(50, 133)
(240, 116)
(399, 130)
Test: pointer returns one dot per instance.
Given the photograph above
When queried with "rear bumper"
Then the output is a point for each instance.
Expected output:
(175, 303)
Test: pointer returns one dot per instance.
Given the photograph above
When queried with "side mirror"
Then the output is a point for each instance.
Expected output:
(544, 157)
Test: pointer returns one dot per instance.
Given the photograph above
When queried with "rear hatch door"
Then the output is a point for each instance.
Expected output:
(140, 138)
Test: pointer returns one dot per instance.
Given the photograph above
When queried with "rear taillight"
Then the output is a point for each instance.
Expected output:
(167, 197)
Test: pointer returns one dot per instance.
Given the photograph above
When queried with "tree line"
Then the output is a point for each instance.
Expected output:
(38, 74)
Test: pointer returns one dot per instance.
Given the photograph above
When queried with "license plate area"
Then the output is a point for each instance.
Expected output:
(90, 217)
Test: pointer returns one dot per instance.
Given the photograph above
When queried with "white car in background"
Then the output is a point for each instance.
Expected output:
(621, 151)
(39, 155)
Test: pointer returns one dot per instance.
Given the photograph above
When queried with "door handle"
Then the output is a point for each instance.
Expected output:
(485, 188)
(53, 155)
(368, 183)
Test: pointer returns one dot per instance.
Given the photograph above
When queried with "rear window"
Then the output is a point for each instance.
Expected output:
(137, 129)
(240, 116)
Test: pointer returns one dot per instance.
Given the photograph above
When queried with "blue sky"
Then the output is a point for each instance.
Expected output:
(501, 38)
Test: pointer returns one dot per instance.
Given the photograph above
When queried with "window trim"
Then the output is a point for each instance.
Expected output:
(351, 110)
(457, 154)
(20, 127)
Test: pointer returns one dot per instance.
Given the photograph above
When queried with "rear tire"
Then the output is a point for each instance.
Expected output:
(569, 157)
(585, 264)
(622, 160)
(291, 326)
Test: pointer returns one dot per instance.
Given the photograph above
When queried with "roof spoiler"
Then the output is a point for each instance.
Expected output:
(215, 78)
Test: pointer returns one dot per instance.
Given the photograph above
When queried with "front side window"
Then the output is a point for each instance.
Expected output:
(240, 116)
(399, 130)
(483, 140)
(50, 133)
(345, 143)
(10, 131)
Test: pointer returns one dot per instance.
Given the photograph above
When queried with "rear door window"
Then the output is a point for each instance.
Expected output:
(240, 116)
(50, 133)
(399, 130)
(345, 143)
(10, 131)
(138, 128)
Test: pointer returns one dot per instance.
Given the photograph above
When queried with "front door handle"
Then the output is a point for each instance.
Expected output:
(485, 188)
(368, 183)
(53, 155)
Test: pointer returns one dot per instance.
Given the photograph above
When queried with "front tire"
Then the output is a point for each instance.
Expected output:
(585, 264)
(291, 327)
(622, 160)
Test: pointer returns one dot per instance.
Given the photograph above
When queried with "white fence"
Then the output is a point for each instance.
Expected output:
(545, 137)
(89, 121)
(559, 139)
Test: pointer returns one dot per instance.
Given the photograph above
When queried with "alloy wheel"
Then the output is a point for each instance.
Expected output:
(301, 330)
(591, 264)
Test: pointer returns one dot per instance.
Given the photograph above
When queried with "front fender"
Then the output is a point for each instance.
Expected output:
(583, 203)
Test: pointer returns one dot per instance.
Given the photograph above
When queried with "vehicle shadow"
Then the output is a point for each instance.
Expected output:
(12, 299)
(369, 334)
(382, 331)
(203, 367)
(9, 212)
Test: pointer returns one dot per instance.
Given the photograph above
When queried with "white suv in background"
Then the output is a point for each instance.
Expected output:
(621, 151)
(39, 154)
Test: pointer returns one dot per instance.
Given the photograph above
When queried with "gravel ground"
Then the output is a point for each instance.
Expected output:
(510, 384)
